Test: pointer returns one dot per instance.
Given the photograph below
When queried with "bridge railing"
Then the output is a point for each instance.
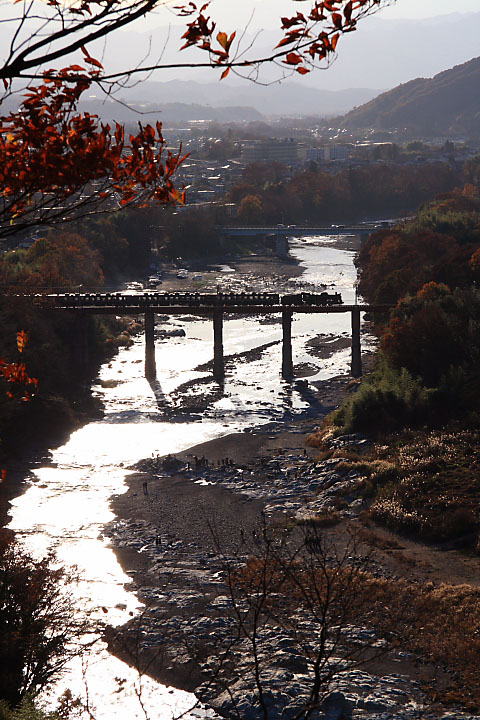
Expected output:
(201, 302)
(217, 305)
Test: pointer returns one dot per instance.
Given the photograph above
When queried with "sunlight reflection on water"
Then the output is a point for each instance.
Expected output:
(67, 503)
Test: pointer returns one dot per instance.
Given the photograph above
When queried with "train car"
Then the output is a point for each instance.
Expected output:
(272, 299)
(162, 299)
(71, 300)
(323, 299)
(288, 300)
(208, 300)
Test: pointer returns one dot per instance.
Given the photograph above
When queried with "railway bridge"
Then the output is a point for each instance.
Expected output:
(212, 305)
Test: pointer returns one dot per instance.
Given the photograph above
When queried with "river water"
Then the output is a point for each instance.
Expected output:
(66, 503)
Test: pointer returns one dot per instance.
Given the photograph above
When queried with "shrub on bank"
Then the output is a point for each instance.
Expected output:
(386, 400)
(428, 368)
(29, 710)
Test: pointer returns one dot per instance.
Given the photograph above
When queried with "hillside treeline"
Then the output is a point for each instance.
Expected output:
(428, 270)
(421, 402)
(445, 105)
(87, 255)
(355, 193)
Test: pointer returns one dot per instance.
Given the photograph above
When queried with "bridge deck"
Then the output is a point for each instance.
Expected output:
(214, 306)
(225, 309)
(298, 230)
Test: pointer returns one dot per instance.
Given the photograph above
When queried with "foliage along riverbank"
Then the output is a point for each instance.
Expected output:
(422, 400)
(418, 478)
(62, 399)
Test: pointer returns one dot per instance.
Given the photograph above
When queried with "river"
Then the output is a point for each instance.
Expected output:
(66, 503)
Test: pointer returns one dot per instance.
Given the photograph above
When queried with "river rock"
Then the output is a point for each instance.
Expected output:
(172, 463)
(337, 707)
(176, 332)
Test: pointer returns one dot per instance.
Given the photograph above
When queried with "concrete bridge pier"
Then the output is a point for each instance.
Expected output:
(356, 346)
(81, 334)
(281, 245)
(150, 368)
(287, 361)
(218, 364)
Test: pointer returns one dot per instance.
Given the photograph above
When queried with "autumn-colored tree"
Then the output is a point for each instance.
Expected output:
(307, 37)
(393, 263)
(425, 343)
(14, 378)
(250, 210)
(433, 331)
(60, 260)
(318, 196)
(56, 163)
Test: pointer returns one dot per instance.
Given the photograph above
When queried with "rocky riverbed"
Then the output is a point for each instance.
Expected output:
(186, 519)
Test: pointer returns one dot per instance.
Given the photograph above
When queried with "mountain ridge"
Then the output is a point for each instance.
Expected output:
(220, 101)
(446, 104)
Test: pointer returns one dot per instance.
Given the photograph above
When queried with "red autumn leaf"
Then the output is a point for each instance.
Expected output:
(89, 59)
(289, 38)
(293, 59)
(337, 20)
(222, 38)
(94, 62)
(22, 339)
(347, 11)
(48, 147)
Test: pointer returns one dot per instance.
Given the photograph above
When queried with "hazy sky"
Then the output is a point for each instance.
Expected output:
(265, 13)
(429, 8)
(430, 50)
(421, 49)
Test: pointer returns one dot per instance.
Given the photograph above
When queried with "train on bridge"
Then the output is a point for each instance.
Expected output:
(323, 299)
(219, 305)
(193, 299)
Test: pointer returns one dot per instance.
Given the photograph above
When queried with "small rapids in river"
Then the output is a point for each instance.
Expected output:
(66, 503)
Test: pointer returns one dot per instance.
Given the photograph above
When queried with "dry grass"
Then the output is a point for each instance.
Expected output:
(437, 492)
(371, 538)
(425, 484)
(321, 437)
(440, 625)
(443, 628)
(320, 520)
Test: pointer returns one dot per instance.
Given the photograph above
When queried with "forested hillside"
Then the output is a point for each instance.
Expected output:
(447, 104)
(315, 195)
(422, 400)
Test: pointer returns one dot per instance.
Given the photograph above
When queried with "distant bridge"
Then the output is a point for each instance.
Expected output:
(299, 230)
(209, 304)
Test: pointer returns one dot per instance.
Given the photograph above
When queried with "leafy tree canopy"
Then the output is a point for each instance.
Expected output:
(57, 163)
